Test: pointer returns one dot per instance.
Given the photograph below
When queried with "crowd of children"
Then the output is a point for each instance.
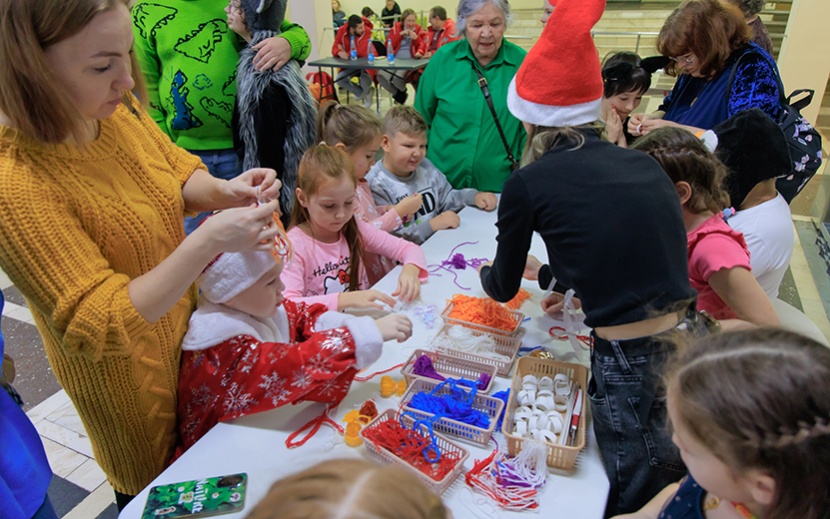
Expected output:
(635, 225)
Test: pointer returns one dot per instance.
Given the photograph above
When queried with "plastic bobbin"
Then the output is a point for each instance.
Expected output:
(351, 437)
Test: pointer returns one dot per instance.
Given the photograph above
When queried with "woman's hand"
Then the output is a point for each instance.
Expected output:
(486, 201)
(418, 55)
(240, 229)
(649, 125)
(409, 205)
(273, 52)
(635, 123)
(244, 189)
(364, 299)
(394, 326)
(409, 284)
(532, 267)
(555, 303)
(614, 129)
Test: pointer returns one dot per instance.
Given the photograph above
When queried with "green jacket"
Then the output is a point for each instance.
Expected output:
(188, 57)
(463, 140)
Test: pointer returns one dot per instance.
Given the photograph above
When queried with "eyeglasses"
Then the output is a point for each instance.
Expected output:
(688, 59)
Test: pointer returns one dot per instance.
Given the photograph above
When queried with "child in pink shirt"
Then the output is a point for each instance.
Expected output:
(357, 131)
(718, 258)
(327, 239)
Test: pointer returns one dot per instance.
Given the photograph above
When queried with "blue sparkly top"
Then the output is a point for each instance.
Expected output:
(687, 502)
(704, 103)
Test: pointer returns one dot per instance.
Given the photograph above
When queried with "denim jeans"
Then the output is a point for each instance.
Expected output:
(637, 452)
(222, 164)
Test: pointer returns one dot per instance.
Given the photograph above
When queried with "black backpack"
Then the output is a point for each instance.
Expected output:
(803, 140)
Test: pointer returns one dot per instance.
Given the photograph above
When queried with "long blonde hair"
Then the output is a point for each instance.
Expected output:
(351, 125)
(30, 96)
(322, 164)
(350, 489)
(760, 399)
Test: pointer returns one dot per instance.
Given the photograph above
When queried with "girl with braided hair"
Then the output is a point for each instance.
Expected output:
(750, 413)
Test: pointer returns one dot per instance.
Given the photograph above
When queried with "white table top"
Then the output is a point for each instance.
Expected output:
(256, 444)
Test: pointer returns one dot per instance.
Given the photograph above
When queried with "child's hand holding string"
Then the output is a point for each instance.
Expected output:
(409, 284)
(409, 205)
(364, 299)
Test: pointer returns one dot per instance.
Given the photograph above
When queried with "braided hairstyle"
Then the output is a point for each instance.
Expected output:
(685, 159)
(760, 399)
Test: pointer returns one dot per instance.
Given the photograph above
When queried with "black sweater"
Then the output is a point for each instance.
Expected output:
(612, 225)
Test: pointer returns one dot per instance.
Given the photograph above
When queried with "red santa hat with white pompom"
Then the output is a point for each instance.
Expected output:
(559, 82)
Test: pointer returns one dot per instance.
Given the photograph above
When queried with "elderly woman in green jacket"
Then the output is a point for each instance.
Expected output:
(464, 140)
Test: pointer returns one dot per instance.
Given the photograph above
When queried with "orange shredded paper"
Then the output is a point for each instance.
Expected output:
(482, 310)
(522, 296)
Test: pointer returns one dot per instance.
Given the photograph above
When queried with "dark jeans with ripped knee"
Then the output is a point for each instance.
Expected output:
(628, 404)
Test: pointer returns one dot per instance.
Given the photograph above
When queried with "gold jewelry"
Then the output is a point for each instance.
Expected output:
(711, 503)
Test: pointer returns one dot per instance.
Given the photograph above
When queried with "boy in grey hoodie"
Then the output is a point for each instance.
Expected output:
(406, 171)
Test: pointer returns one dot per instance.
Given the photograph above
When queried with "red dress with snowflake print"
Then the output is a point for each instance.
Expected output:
(243, 375)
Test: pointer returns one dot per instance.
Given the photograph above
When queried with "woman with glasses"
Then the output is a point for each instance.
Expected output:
(707, 41)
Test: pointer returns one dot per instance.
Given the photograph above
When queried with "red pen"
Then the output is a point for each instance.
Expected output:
(575, 416)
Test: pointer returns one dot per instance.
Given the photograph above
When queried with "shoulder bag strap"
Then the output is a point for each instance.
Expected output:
(482, 82)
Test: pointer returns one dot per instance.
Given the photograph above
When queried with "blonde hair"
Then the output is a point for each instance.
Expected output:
(320, 165)
(350, 489)
(760, 399)
(540, 139)
(404, 119)
(30, 96)
(352, 125)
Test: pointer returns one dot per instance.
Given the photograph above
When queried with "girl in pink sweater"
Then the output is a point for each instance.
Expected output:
(330, 244)
(718, 257)
(357, 131)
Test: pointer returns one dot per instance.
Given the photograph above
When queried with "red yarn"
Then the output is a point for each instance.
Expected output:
(315, 424)
(376, 373)
(408, 445)
(369, 409)
(584, 339)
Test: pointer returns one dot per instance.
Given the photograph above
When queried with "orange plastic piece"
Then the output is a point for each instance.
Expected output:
(388, 387)
(482, 310)
(351, 416)
(369, 409)
(351, 437)
(401, 388)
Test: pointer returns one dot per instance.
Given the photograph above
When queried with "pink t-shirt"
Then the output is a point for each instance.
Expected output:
(714, 246)
(385, 219)
(319, 271)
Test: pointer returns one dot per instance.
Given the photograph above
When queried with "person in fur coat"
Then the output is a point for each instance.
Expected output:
(275, 113)
(247, 350)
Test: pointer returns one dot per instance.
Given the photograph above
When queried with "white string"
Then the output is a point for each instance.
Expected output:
(462, 339)
(480, 502)
(531, 463)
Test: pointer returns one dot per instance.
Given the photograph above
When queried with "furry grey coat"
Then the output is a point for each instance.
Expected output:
(275, 116)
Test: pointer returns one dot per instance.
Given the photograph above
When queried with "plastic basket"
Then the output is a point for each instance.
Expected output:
(489, 405)
(505, 345)
(444, 445)
(516, 316)
(559, 456)
(450, 366)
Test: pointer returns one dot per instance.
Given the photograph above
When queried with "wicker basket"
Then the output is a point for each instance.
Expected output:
(450, 366)
(516, 316)
(559, 456)
(505, 345)
(489, 405)
(444, 445)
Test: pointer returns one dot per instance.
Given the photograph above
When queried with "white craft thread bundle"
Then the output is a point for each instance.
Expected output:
(543, 404)
(512, 483)
(462, 339)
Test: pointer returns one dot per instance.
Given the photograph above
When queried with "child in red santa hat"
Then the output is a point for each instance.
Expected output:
(247, 350)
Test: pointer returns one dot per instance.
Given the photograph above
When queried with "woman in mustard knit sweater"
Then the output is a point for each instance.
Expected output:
(92, 202)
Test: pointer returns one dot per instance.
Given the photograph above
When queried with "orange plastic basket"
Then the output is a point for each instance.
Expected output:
(505, 345)
(450, 366)
(445, 445)
(559, 456)
(516, 316)
(489, 405)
